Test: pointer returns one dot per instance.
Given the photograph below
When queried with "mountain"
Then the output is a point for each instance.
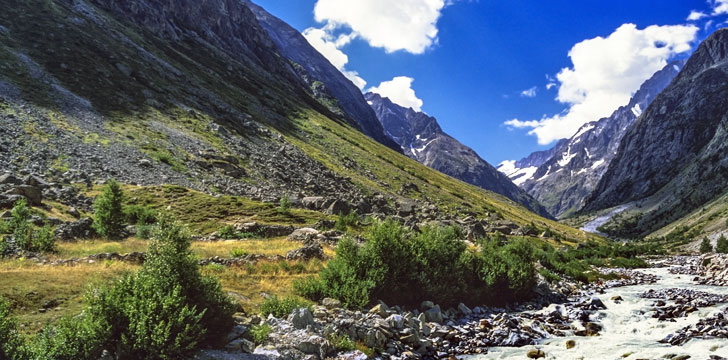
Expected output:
(422, 139)
(522, 170)
(326, 82)
(674, 158)
(197, 94)
(562, 182)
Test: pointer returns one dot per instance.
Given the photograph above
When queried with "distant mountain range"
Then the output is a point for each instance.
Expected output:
(421, 138)
(562, 177)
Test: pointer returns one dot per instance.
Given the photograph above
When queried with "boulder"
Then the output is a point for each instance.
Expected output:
(10, 179)
(339, 207)
(535, 354)
(570, 344)
(301, 318)
(464, 309)
(303, 234)
(34, 194)
(308, 252)
(81, 229)
(313, 202)
(330, 303)
(434, 314)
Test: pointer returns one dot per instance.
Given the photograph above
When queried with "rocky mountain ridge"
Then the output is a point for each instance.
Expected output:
(421, 138)
(675, 157)
(563, 181)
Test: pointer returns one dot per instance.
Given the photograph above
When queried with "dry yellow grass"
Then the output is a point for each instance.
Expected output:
(29, 286)
(267, 247)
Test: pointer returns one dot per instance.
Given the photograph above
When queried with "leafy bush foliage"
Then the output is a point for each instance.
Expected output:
(260, 333)
(344, 221)
(706, 246)
(341, 342)
(403, 268)
(12, 346)
(27, 237)
(284, 205)
(140, 215)
(70, 339)
(108, 211)
(282, 308)
(228, 232)
(43, 239)
(238, 253)
(722, 245)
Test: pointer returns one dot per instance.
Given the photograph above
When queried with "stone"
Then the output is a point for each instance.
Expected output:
(596, 304)
(10, 179)
(381, 310)
(308, 252)
(434, 314)
(535, 354)
(339, 207)
(146, 163)
(426, 305)
(240, 345)
(464, 309)
(301, 318)
(34, 194)
(313, 202)
(617, 299)
(330, 303)
(303, 234)
(396, 321)
(570, 344)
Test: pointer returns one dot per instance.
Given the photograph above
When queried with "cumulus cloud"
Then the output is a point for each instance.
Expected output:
(529, 93)
(551, 85)
(720, 7)
(409, 25)
(328, 46)
(696, 15)
(605, 73)
(399, 91)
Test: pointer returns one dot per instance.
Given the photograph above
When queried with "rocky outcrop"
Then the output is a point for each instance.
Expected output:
(325, 81)
(676, 153)
(421, 138)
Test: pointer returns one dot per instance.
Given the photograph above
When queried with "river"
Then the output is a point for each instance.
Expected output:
(629, 331)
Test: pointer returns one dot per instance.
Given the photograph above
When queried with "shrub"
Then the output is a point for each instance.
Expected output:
(12, 346)
(140, 215)
(344, 221)
(144, 231)
(722, 245)
(43, 239)
(70, 339)
(238, 253)
(341, 342)
(284, 205)
(227, 232)
(401, 268)
(259, 333)
(22, 232)
(108, 213)
(282, 308)
(633, 263)
(706, 246)
(549, 276)
(5, 227)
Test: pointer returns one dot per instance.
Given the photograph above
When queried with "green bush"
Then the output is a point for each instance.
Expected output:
(43, 239)
(227, 232)
(238, 253)
(341, 342)
(260, 333)
(706, 246)
(403, 268)
(108, 211)
(144, 231)
(12, 345)
(344, 221)
(722, 245)
(633, 263)
(22, 232)
(71, 338)
(284, 205)
(5, 227)
(282, 308)
(140, 215)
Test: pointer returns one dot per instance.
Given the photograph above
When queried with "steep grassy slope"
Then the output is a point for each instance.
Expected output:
(88, 89)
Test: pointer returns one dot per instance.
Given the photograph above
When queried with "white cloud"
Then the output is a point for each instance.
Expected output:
(409, 25)
(605, 74)
(399, 91)
(324, 43)
(720, 7)
(696, 15)
(529, 93)
(550, 85)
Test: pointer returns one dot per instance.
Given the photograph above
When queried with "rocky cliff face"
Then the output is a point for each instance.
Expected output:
(520, 171)
(325, 81)
(675, 157)
(562, 182)
(422, 139)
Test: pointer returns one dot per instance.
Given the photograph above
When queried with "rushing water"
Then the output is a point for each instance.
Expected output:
(629, 331)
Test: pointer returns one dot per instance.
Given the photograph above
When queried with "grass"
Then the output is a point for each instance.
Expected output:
(29, 286)
(203, 249)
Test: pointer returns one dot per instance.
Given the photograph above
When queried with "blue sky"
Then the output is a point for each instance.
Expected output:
(474, 73)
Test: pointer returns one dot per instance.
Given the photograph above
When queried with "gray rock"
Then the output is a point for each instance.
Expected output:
(301, 318)
(339, 207)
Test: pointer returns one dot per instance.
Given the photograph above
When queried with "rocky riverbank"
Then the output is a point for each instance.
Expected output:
(429, 332)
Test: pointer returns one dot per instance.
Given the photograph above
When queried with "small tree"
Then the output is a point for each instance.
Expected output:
(108, 211)
(706, 246)
(19, 222)
(284, 205)
(722, 245)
